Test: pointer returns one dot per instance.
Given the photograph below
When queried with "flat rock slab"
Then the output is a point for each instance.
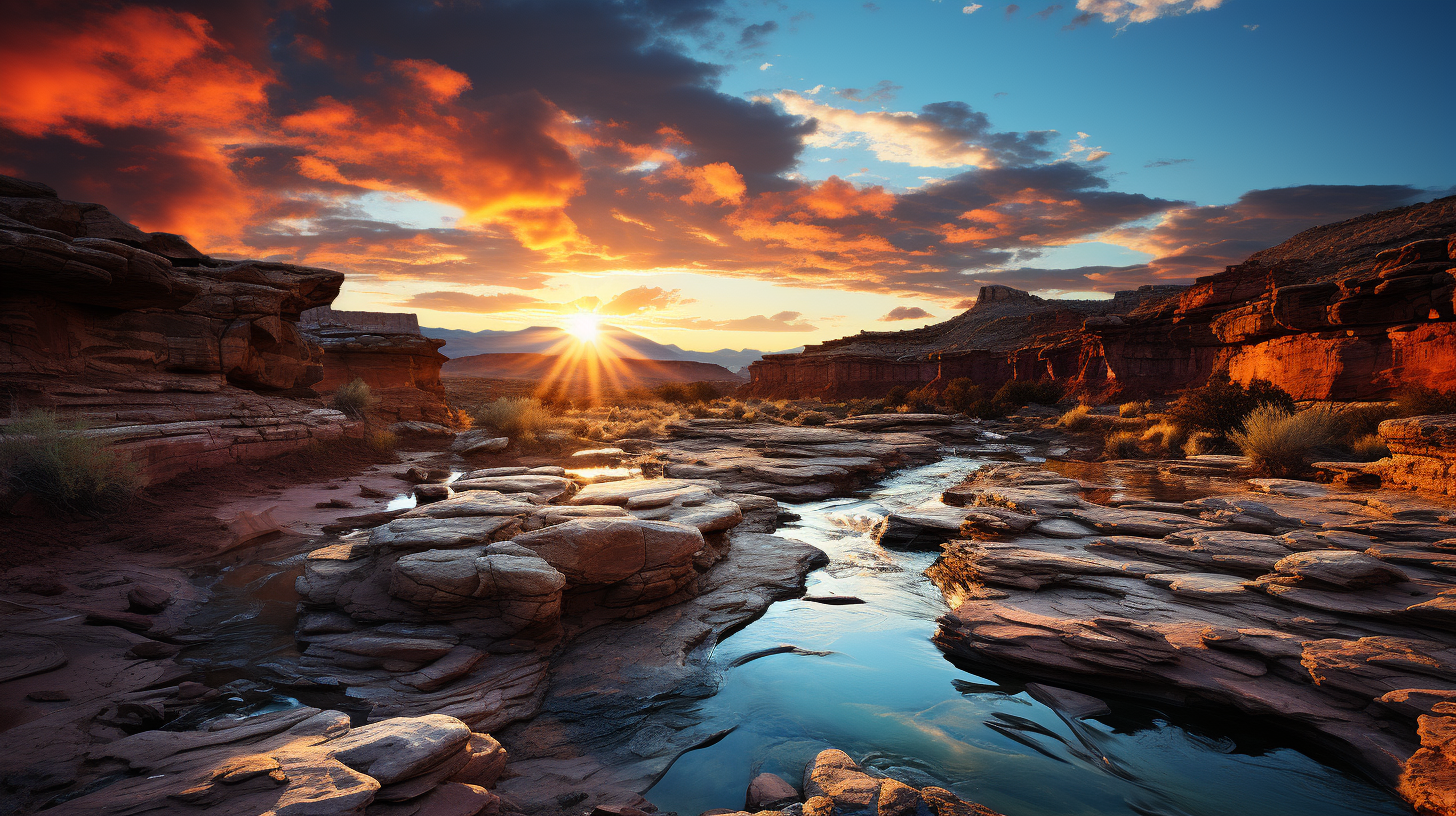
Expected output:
(25, 655)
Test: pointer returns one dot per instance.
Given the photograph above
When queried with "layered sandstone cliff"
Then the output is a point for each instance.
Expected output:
(1352, 310)
(387, 351)
(180, 360)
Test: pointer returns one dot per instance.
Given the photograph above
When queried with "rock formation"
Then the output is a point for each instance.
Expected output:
(1422, 454)
(386, 351)
(180, 360)
(1326, 609)
(1351, 310)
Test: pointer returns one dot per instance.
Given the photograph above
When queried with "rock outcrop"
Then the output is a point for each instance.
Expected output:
(1325, 608)
(179, 360)
(1422, 454)
(387, 351)
(1352, 310)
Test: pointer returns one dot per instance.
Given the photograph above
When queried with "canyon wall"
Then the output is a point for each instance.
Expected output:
(386, 351)
(1354, 310)
(179, 360)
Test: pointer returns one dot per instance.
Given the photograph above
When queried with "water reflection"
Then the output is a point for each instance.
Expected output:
(886, 695)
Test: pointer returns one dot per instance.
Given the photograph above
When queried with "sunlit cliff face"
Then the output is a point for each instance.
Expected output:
(496, 164)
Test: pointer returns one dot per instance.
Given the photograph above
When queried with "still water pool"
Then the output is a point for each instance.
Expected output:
(888, 697)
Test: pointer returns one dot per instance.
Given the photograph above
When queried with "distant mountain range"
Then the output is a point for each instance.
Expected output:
(550, 340)
(574, 374)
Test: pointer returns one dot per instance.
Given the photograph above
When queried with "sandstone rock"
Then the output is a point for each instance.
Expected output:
(1340, 568)
(392, 750)
(638, 560)
(769, 792)
(147, 599)
(415, 428)
(427, 533)
(544, 488)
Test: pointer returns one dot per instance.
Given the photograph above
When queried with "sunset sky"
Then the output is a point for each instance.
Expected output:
(731, 174)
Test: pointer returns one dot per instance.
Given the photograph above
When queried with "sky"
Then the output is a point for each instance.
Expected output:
(727, 173)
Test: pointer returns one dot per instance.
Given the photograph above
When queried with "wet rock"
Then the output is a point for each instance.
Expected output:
(48, 696)
(425, 533)
(634, 560)
(423, 475)
(418, 429)
(153, 650)
(597, 457)
(431, 493)
(1069, 703)
(769, 792)
(544, 488)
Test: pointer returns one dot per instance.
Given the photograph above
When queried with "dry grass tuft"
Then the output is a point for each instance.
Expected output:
(60, 464)
(1278, 442)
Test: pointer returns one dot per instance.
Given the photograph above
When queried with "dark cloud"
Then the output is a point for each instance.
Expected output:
(1166, 162)
(1085, 18)
(883, 91)
(1011, 10)
(1048, 11)
(754, 36)
(907, 313)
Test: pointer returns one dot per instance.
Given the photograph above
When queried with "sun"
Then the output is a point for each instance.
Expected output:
(585, 326)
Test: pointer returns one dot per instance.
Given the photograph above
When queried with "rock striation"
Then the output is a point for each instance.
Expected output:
(180, 360)
(1323, 608)
(1351, 310)
(1422, 454)
(387, 351)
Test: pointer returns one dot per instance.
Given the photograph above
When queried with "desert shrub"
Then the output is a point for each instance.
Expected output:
(1078, 419)
(789, 414)
(1164, 437)
(1222, 404)
(1200, 443)
(813, 418)
(735, 409)
(353, 398)
(672, 392)
(960, 394)
(1278, 441)
(1134, 409)
(701, 391)
(1363, 419)
(1019, 393)
(63, 466)
(1368, 448)
(520, 418)
(381, 441)
(1121, 445)
(923, 398)
(1421, 401)
(896, 396)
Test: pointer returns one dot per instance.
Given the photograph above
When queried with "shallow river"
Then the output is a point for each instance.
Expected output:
(888, 697)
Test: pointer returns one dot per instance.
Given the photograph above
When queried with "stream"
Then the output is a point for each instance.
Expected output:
(885, 695)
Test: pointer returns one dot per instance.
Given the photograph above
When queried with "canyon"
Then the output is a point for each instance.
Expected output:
(1352, 310)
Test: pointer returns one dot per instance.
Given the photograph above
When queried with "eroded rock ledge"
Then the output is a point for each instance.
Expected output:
(1328, 609)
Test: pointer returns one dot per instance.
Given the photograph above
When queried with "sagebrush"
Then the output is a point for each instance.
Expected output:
(59, 463)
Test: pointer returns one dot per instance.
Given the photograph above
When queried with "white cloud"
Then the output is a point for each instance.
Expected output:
(816, 89)
(971, 9)
(1078, 149)
(1254, 27)
(765, 66)
(908, 138)
(1142, 11)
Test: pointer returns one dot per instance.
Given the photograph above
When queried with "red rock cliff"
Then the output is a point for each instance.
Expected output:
(181, 360)
(385, 350)
(1351, 310)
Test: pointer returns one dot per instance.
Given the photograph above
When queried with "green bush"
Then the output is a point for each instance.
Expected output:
(1421, 401)
(922, 399)
(1221, 405)
(63, 466)
(1020, 393)
(896, 396)
(520, 418)
(1279, 441)
(354, 398)
(961, 394)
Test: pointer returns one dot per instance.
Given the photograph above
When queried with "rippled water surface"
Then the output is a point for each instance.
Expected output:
(887, 696)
